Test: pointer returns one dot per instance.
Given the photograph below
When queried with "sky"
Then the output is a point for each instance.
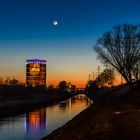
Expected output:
(27, 31)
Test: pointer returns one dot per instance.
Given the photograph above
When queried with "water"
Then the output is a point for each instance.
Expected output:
(40, 122)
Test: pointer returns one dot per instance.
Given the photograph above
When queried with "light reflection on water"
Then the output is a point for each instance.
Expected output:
(38, 123)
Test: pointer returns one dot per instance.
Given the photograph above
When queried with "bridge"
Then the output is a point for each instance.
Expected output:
(80, 90)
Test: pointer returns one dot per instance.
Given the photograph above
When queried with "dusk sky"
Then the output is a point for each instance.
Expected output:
(27, 31)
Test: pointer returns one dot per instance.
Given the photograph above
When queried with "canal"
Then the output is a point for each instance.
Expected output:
(40, 122)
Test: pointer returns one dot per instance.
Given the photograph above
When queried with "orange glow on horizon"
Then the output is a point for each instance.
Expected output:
(79, 82)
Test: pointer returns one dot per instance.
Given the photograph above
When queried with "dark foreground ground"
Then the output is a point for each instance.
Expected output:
(19, 99)
(113, 116)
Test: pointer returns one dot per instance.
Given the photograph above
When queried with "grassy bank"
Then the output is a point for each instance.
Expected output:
(19, 99)
(113, 116)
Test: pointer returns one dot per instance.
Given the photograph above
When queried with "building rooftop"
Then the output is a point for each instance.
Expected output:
(40, 61)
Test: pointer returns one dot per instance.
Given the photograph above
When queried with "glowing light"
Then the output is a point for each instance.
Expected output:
(55, 22)
(117, 112)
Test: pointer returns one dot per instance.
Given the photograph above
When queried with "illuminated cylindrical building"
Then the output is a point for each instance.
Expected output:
(35, 72)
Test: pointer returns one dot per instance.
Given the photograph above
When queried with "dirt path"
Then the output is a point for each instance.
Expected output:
(106, 119)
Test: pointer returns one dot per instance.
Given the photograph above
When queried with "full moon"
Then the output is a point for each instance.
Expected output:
(55, 22)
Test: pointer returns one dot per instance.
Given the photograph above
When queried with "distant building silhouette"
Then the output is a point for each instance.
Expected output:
(35, 72)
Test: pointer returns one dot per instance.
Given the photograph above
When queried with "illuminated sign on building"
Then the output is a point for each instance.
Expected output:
(35, 72)
(35, 61)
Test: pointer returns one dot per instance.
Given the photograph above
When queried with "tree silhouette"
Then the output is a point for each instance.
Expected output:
(106, 78)
(62, 85)
(91, 87)
(121, 49)
(14, 82)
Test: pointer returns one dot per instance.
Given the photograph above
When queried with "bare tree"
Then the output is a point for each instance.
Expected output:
(120, 48)
(7, 80)
(136, 69)
(106, 78)
(1, 80)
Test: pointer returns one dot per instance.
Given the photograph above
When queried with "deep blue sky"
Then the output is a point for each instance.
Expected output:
(26, 31)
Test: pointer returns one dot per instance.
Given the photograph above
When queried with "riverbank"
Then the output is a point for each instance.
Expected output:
(19, 99)
(113, 116)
